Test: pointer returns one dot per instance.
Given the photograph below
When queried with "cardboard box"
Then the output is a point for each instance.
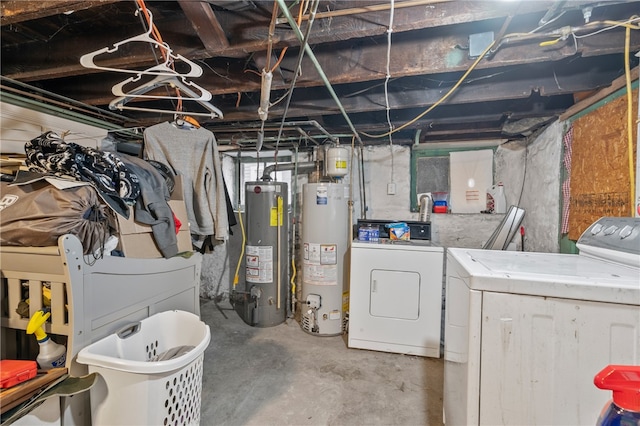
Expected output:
(399, 231)
(136, 239)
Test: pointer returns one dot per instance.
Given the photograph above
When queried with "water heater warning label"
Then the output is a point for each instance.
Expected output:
(320, 264)
(275, 218)
(328, 254)
(259, 264)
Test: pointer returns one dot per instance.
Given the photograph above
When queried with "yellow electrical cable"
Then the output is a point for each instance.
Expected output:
(293, 277)
(550, 42)
(627, 25)
(627, 72)
(235, 278)
(442, 99)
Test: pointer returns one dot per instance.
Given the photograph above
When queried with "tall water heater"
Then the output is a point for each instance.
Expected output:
(325, 238)
(266, 254)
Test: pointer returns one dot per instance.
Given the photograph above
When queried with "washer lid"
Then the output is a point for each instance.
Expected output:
(547, 274)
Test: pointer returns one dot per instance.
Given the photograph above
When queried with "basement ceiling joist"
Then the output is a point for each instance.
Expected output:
(43, 41)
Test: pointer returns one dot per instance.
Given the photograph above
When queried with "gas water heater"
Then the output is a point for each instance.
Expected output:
(325, 237)
(266, 254)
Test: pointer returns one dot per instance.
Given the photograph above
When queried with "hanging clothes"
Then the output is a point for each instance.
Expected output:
(193, 153)
(152, 207)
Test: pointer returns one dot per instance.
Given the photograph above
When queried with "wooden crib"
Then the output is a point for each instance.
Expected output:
(88, 300)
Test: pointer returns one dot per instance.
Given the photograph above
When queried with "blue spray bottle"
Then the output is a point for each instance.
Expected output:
(624, 381)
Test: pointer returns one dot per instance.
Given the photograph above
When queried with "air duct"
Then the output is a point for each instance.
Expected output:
(301, 167)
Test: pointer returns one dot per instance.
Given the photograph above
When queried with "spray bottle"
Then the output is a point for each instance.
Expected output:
(496, 200)
(624, 381)
(51, 354)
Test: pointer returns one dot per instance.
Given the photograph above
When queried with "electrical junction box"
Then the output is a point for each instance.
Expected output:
(391, 189)
(478, 43)
(313, 301)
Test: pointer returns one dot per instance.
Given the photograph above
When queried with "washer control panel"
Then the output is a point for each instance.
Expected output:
(617, 236)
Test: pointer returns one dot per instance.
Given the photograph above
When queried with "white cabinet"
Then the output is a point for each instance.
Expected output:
(547, 351)
(395, 297)
(525, 334)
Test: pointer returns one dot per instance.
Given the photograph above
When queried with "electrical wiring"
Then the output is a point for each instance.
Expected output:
(244, 238)
(305, 41)
(524, 175)
(613, 24)
(386, 84)
(566, 31)
(274, 17)
(158, 37)
(294, 272)
(547, 23)
(272, 30)
(627, 72)
(439, 101)
(303, 6)
(563, 34)
(212, 70)
(280, 99)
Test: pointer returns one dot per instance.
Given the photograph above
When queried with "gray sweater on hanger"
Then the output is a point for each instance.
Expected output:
(193, 154)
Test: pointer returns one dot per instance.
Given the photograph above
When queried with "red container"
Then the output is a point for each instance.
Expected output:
(440, 209)
(15, 372)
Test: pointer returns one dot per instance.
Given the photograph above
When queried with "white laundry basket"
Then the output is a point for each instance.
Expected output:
(135, 388)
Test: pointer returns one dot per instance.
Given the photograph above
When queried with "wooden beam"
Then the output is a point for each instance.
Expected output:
(16, 11)
(616, 85)
(501, 87)
(343, 65)
(30, 64)
(206, 25)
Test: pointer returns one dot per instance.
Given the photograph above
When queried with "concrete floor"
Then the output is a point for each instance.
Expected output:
(283, 376)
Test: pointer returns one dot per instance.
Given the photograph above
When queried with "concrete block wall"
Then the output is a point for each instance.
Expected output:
(529, 169)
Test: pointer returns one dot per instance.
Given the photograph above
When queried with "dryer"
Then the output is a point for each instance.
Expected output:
(395, 297)
(525, 333)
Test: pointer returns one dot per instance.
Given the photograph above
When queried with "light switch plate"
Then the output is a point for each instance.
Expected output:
(391, 189)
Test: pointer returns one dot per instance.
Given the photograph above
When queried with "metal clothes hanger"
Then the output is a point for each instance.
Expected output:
(214, 112)
(87, 60)
(174, 82)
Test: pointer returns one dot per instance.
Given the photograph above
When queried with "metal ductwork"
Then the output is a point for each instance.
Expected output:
(301, 167)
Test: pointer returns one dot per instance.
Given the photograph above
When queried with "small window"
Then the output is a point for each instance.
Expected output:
(430, 166)
(251, 170)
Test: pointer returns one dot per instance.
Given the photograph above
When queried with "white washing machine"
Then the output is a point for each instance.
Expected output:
(395, 297)
(525, 333)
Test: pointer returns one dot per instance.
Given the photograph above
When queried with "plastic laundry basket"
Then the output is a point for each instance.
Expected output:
(137, 389)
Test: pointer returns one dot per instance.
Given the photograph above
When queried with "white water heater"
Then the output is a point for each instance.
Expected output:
(325, 238)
